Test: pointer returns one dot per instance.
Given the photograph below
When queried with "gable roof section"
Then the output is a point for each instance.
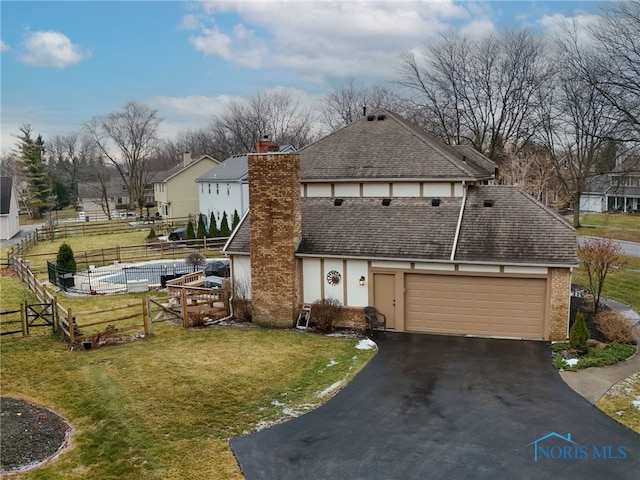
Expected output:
(385, 148)
(234, 168)
(172, 172)
(517, 228)
(6, 186)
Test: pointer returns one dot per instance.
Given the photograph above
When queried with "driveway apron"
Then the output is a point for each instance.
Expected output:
(444, 407)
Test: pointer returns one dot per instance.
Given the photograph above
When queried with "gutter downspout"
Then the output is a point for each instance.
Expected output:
(455, 239)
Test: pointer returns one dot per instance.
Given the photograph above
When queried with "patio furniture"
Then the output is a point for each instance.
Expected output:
(374, 319)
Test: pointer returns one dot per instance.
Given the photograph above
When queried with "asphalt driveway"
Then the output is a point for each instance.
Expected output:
(436, 407)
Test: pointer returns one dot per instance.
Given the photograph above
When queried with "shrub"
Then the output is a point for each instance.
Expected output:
(195, 259)
(152, 234)
(66, 260)
(241, 303)
(213, 229)
(201, 227)
(191, 234)
(616, 328)
(224, 226)
(579, 333)
(325, 312)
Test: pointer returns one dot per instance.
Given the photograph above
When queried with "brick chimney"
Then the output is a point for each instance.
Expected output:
(276, 231)
(186, 158)
(266, 145)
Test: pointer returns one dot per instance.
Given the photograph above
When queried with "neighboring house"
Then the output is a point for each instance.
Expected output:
(9, 209)
(225, 187)
(175, 192)
(381, 213)
(615, 191)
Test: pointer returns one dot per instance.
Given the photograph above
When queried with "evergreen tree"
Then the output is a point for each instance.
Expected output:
(224, 226)
(201, 233)
(213, 229)
(35, 171)
(578, 333)
(236, 220)
(65, 260)
(191, 234)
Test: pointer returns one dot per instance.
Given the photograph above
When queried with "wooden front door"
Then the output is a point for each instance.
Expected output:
(384, 296)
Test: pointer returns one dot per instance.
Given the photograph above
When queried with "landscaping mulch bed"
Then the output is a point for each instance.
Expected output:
(29, 434)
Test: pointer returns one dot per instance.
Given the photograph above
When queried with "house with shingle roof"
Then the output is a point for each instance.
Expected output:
(9, 209)
(382, 213)
(618, 190)
(175, 193)
(225, 188)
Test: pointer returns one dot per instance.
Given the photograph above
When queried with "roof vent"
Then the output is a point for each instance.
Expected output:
(488, 202)
(371, 118)
(386, 202)
(381, 117)
(338, 201)
(435, 202)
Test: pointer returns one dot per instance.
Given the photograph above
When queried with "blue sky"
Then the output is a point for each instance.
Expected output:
(63, 63)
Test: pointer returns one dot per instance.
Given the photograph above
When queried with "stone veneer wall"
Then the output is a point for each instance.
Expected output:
(276, 230)
(560, 279)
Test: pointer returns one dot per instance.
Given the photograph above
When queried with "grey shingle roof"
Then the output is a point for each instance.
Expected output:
(5, 195)
(233, 168)
(517, 229)
(388, 147)
(178, 168)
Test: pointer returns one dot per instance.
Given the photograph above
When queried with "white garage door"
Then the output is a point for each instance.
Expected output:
(484, 306)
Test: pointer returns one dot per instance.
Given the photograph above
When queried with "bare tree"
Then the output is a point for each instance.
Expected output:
(577, 125)
(480, 93)
(69, 157)
(611, 64)
(133, 133)
(274, 113)
(599, 257)
(347, 102)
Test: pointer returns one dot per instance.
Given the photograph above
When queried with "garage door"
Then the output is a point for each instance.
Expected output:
(485, 306)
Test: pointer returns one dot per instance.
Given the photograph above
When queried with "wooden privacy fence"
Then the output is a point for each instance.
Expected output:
(80, 326)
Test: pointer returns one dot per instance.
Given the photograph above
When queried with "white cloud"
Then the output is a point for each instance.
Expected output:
(51, 49)
(320, 40)
(4, 47)
(556, 25)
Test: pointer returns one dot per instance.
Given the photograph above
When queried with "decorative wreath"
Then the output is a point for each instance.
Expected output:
(334, 278)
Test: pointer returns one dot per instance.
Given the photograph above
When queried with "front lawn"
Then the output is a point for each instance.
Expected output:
(619, 226)
(622, 402)
(165, 407)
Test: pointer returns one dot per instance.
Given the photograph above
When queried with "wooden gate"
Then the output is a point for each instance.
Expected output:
(40, 315)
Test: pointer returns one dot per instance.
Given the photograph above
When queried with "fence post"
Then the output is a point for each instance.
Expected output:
(54, 312)
(71, 324)
(145, 315)
(23, 317)
(185, 308)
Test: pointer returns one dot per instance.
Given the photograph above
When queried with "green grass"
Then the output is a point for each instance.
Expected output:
(617, 402)
(594, 357)
(622, 285)
(618, 226)
(165, 407)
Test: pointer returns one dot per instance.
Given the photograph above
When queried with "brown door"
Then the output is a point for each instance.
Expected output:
(384, 296)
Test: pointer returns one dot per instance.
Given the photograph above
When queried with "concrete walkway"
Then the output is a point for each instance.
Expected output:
(593, 383)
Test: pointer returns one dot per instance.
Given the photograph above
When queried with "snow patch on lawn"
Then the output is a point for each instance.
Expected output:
(332, 363)
(329, 389)
(572, 362)
(636, 403)
(366, 344)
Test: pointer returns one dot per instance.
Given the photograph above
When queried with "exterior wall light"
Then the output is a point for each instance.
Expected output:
(362, 281)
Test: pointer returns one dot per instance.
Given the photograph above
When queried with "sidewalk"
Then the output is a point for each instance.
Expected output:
(593, 383)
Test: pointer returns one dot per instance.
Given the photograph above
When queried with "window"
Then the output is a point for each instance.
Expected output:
(209, 187)
(217, 189)
(228, 190)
